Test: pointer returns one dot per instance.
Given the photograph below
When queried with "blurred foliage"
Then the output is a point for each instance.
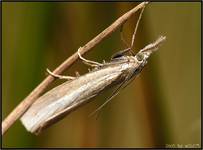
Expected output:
(160, 108)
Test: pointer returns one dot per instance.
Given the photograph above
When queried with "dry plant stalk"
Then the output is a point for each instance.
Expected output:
(30, 99)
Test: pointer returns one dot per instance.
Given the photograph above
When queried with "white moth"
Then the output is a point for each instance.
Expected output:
(63, 99)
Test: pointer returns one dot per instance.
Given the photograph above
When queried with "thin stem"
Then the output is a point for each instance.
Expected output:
(30, 99)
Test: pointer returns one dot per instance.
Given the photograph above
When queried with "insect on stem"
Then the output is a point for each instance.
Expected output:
(33, 97)
(63, 99)
(67, 97)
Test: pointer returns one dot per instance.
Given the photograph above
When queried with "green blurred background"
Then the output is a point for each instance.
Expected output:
(160, 108)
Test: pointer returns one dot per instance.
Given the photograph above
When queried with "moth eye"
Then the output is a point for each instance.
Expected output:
(140, 57)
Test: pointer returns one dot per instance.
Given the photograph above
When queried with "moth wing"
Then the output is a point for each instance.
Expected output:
(59, 115)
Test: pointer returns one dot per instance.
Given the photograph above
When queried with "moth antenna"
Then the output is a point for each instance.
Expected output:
(115, 92)
(108, 100)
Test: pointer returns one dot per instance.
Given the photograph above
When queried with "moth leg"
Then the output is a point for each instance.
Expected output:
(77, 74)
(122, 36)
(129, 49)
(136, 27)
(88, 62)
(60, 76)
(120, 53)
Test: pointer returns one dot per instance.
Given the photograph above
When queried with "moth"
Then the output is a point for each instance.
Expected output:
(63, 99)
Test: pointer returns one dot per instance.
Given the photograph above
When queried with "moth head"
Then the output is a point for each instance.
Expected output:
(144, 53)
(142, 58)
